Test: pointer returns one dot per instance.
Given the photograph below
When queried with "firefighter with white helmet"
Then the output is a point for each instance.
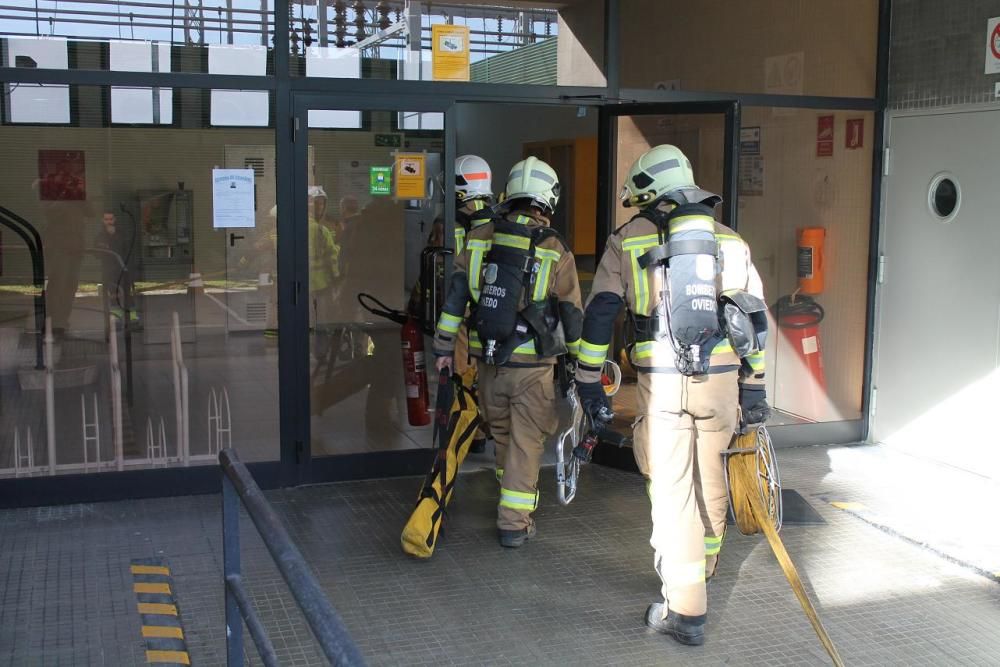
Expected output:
(473, 195)
(519, 278)
(679, 274)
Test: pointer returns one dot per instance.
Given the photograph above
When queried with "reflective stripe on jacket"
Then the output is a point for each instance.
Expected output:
(469, 209)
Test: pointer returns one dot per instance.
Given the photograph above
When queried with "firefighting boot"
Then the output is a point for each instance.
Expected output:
(512, 539)
(688, 630)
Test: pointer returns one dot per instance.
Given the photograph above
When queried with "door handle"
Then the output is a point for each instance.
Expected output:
(233, 238)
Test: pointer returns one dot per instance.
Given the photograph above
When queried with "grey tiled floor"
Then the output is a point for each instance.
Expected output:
(574, 595)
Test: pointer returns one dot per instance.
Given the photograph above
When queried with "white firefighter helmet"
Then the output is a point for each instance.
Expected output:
(659, 171)
(473, 177)
(316, 191)
(535, 180)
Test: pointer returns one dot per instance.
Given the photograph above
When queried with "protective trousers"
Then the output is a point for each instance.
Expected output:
(684, 425)
(519, 406)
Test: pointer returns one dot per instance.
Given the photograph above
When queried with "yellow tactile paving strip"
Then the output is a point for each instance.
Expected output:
(161, 623)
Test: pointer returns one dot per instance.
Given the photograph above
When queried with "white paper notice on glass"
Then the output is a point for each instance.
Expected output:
(232, 198)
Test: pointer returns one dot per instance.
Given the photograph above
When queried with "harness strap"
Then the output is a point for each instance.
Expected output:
(661, 253)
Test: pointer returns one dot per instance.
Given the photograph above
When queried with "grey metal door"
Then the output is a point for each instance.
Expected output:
(936, 376)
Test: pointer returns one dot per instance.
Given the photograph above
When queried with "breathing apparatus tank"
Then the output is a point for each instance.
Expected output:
(687, 263)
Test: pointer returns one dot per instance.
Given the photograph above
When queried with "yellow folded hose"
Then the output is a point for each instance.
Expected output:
(755, 494)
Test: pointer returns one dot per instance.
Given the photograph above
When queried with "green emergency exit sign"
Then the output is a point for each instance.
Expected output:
(390, 140)
(380, 181)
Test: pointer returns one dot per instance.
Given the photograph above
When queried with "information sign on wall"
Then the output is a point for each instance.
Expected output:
(450, 52)
(749, 141)
(854, 136)
(411, 175)
(380, 181)
(993, 46)
(824, 136)
(232, 198)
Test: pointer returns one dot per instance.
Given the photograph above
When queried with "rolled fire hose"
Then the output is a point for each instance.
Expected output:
(755, 498)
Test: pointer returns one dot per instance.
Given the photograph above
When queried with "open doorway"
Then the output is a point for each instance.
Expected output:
(566, 138)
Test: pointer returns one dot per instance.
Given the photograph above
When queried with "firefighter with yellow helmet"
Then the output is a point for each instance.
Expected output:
(695, 301)
(519, 280)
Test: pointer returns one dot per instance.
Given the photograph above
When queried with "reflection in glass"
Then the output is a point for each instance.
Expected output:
(539, 44)
(159, 345)
(364, 238)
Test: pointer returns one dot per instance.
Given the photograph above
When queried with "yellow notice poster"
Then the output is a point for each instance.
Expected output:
(450, 52)
(411, 176)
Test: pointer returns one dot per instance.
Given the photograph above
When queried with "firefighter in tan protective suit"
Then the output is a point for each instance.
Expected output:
(473, 207)
(671, 266)
(520, 280)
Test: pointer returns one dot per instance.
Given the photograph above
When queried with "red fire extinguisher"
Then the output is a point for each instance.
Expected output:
(415, 372)
(414, 365)
(799, 318)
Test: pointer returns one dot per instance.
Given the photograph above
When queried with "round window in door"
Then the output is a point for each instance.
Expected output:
(944, 197)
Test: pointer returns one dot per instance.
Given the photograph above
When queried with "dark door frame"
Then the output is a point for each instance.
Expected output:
(298, 464)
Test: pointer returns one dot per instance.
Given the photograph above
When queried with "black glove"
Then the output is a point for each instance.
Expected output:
(753, 405)
(594, 400)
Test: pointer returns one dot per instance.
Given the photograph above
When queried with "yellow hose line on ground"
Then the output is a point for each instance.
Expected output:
(750, 501)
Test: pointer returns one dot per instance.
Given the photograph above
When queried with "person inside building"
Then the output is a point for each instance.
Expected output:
(324, 262)
(115, 249)
(668, 266)
(519, 278)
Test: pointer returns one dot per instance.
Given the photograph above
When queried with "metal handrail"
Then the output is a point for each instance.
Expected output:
(327, 626)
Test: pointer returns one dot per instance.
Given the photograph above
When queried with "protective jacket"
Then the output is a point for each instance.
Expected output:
(554, 282)
(324, 257)
(621, 279)
(470, 215)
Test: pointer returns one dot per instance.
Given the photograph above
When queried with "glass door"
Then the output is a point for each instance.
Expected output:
(368, 202)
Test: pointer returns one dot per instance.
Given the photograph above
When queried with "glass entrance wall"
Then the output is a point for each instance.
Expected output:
(113, 104)
(374, 204)
(159, 252)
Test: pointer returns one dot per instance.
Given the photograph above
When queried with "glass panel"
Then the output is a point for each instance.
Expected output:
(373, 207)
(84, 34)
(160, 296)
(533, 43)
(785, 47)
(805, 210)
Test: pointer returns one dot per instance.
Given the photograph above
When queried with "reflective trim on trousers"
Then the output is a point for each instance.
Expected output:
(679, 575)
(449, 323)
(713, 545)
(519, 500)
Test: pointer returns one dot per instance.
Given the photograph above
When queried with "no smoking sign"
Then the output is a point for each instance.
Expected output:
(993, 46)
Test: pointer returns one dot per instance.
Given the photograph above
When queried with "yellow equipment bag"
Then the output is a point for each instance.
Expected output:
(456, 422)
